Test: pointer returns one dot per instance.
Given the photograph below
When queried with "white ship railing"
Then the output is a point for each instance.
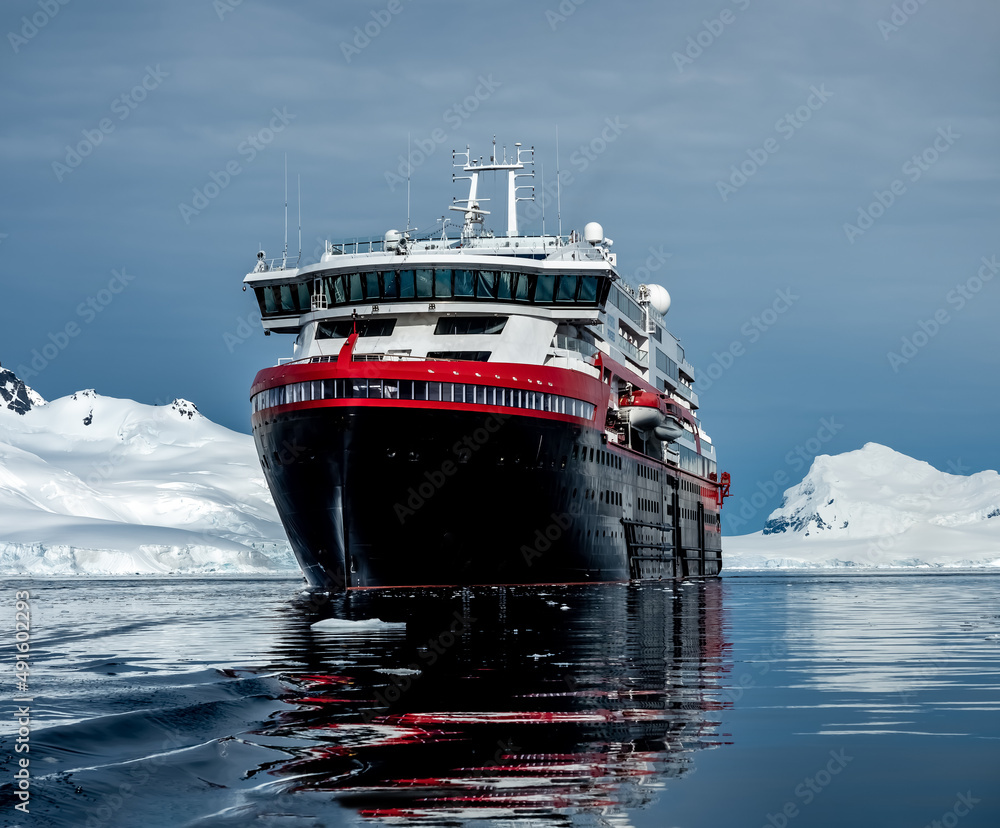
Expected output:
(628, 348)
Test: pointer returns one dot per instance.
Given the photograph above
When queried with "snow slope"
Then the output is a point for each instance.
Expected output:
(91, 484)
(875, 507)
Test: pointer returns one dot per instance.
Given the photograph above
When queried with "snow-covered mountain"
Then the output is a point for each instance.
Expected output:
(93, 484)
(875, 507)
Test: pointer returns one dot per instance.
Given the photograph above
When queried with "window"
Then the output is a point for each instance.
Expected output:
(392, 389)
(339, 291)
(425, 281)
(505, 285)
(472, 356)
(464, 283)
(486, 284)
(459, 325)
(544, 287)
(354, 288)
(522, 293)
(344, 327)
(406, 286)
(666, 365)
(390, 285)
(442, 283)
(568, 284)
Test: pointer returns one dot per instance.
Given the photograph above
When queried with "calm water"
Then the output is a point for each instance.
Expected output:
(770, 700)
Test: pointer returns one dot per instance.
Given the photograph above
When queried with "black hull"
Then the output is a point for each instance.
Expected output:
(389, 496)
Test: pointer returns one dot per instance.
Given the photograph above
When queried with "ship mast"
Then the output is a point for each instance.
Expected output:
(470, 206)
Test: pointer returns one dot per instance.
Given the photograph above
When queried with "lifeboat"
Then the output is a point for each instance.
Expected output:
(649, 412)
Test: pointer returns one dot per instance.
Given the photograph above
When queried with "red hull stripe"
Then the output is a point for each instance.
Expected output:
(501, 374)
(437, 405)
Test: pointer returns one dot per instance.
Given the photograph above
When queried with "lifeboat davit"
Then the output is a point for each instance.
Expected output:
(649, 412)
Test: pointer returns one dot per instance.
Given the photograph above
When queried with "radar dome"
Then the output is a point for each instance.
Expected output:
(593, 232)
(392, 239)
(659, 298)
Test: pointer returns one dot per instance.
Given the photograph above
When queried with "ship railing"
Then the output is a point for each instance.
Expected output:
(631, 350)
(653, 315)
(565, 343)
(373, 357)
(352, 248)
(480, 243)
(277, 263)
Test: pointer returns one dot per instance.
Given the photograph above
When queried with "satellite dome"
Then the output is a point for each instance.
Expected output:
(659, 298)
(392, 239)
(593, 232)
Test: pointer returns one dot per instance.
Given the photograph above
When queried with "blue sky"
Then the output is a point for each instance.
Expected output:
(821, 180)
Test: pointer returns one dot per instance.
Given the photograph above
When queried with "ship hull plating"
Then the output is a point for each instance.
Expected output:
(375, 496)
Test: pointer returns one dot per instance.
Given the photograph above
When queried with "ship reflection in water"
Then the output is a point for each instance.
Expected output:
(512, 703)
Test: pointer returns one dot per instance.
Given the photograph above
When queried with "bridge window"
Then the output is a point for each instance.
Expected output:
(544, 288)
(425, 282)
(464, 283)
(442, 283)
(390, 284)
(522, 291)
(486, 284)
(568, 284)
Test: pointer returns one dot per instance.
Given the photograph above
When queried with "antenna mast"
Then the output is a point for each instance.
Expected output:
(542, 165)
(558, 186)
(408, 165)
(299, 177)
(284, 256)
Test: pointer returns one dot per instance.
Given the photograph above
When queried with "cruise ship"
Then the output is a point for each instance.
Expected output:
(481, 408)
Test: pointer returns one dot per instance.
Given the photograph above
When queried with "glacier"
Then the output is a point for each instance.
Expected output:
(103, 486)
(875, 508)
